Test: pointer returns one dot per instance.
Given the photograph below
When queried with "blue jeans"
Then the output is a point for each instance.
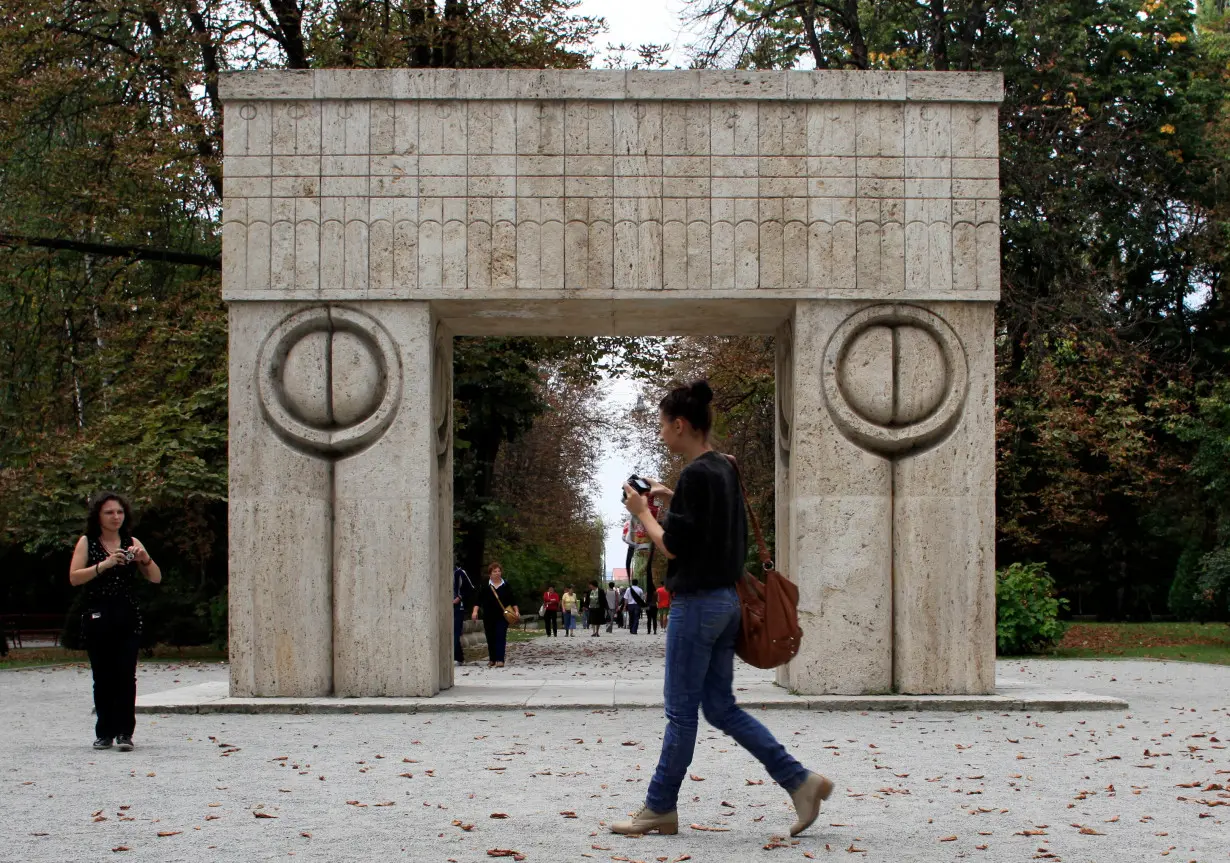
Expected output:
(634, 618)
(700, 671)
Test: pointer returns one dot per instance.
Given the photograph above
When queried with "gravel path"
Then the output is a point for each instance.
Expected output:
(1100, 786)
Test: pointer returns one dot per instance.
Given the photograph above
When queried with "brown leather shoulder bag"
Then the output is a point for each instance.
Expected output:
(770, 634)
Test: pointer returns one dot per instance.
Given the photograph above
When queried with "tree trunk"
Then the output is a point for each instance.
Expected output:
(939, 37)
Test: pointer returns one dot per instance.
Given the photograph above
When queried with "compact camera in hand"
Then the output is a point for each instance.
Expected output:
(129, 555)
(640, 484)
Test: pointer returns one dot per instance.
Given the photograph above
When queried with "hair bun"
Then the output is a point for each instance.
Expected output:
(701, 391)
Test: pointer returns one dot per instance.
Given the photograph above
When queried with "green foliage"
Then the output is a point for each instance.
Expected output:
(1214, 581)
(1027, 610)
(1187, 601)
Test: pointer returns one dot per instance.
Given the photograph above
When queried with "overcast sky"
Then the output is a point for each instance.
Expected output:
(637, 22)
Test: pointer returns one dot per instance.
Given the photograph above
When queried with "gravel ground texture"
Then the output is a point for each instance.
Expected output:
(1149, 783)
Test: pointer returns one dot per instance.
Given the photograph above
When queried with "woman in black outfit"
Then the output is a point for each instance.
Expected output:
(493, 598)
(704, 540)
(109, 560)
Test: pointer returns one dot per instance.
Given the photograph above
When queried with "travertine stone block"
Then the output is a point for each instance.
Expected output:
(944, 530)
(280, 592)
(837, 531)
(386, 566)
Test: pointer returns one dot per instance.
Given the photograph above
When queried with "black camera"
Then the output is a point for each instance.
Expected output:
(641, 485)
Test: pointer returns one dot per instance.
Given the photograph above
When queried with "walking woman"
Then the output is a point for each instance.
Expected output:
(108, 561)
(705, 543)
(569, 603)
(493, 599)
(595, 604)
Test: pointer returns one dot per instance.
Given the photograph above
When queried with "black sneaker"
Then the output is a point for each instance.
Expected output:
(124, 743)
(102, 743)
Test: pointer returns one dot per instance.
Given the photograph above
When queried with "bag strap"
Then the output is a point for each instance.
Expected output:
(765, 560)
(503, 607)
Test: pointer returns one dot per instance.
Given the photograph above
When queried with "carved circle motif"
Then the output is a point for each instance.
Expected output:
(329, 380)
(247, 111)
(345, 110)
(895, 378)
(296, 110)
(444, 111)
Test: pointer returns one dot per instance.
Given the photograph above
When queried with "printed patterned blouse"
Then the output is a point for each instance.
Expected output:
(115, 586)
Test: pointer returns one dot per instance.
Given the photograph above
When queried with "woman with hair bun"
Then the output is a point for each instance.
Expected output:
(109, 561)
(705, 542)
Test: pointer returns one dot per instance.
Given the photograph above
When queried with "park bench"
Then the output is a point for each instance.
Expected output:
(32, 627)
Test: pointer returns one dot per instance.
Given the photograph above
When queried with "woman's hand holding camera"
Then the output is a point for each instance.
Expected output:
(634, 501)
(141, 556)
(114, 559)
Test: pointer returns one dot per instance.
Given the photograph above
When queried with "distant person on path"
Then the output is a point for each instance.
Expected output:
(551, 609)
(493, 598)
(651, 608)
(705, 543)
(463, 587)
(612, 608)
(595, 605)
(109, 561)
(633, 598)
(569, 604)
(664, 606)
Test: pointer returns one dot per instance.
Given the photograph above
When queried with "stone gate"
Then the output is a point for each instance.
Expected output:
(370, 216)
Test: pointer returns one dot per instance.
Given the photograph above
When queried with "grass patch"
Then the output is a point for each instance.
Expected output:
(26, 657)
(524, 635)
(1188, 642)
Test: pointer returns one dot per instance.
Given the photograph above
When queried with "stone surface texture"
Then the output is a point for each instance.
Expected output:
(370, 216)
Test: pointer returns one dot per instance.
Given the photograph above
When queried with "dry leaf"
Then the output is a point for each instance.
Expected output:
(498, 815)
(263, 815)
(709, 829)
(169, 832)
(121, 848)
(696, 778)
(568, 813)
(854, 850)
(1089, 831)
(754, 781)
(949, 839)
(505, 852)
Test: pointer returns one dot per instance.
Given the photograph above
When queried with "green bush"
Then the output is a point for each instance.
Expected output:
(1186, 599)
(1027, 610)
(1213, 582)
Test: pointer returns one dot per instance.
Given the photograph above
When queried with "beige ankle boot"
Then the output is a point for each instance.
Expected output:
(807, 801)
(648, 821)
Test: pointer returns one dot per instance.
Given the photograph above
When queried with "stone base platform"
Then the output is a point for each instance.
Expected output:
(542, 694)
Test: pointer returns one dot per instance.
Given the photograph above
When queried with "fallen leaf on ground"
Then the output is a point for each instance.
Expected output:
(169, 832)
(505, 852)
(121, 848)
(696, 778)
(949, 839)
(498, 815)
(263, 815)
(709, 829)
(754, 781)
(568, 813)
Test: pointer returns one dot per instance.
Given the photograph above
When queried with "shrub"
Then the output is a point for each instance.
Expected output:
(1027, 610)
(1187, 601)
(1213, 582)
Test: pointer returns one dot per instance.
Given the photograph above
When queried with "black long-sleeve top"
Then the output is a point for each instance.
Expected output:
(485, 599)
(706, 529)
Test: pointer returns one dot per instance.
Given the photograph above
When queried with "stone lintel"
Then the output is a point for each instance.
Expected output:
(616, 84)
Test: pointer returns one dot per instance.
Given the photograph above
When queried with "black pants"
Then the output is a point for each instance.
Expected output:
(497, 637)
(552, 622)
(651, 619)
(113, 661)
(459, 619)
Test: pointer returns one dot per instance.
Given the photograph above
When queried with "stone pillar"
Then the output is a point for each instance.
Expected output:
(834, 530)
(280, 591)
(889, 464)
(944, 529)
(387, 595)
